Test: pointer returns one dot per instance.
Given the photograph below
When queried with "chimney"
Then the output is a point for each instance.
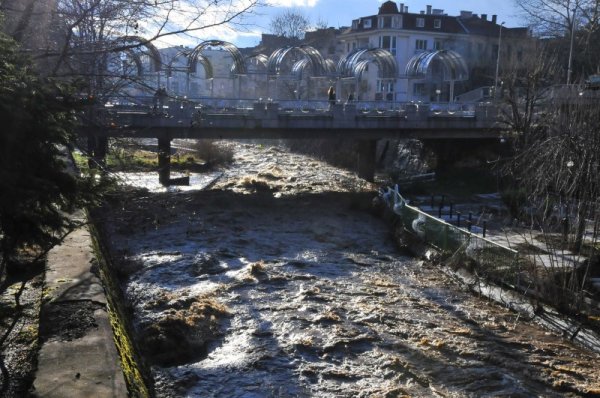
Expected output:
(494, 18)
(428, 10)
(401, 7)
(406, 9)
(466, 14)
(484, 17)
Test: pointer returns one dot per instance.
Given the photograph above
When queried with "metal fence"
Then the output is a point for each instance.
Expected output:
(483, 256)
(492, 261)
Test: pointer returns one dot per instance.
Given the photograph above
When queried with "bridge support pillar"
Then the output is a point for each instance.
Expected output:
(366, 159)
(97, 149)
(164, 161)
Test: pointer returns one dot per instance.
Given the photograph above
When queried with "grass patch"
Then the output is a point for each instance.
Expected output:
(122, 159)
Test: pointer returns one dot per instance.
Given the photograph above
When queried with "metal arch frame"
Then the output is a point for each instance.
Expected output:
(311, 57)
(205, 62)
(355, 63)
(330, 66)
(454, 64)
(140, 42)
(137, 60)
(238, 67)
(261, 59)
(299, 67)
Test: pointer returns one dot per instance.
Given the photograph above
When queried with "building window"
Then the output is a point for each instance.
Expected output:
(367, 24)
(438, 45)
(421, 44)
(419, 89)
(420, 22)
(396, 21)
(386, 86)
(355, 24)
(437, 23)
(385, 22)
(388, 43)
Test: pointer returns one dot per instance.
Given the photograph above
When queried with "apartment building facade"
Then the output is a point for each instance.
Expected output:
(438, 56)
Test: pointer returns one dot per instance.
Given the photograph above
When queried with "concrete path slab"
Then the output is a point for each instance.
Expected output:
(84, 363)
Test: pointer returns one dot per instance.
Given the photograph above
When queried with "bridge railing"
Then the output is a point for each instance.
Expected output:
(299, 107)
(478, 94)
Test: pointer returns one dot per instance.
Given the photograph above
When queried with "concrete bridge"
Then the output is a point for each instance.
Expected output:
(256, 119)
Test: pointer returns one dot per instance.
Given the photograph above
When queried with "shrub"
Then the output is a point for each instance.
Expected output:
(212, 153)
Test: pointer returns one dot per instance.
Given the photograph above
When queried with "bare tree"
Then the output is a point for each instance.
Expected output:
(572, 26)
(320, 24)
(555, 18)
(553, 170)
(87, 35)
(292, 24)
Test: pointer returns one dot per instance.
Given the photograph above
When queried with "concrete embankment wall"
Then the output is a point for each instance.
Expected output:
(137, 375)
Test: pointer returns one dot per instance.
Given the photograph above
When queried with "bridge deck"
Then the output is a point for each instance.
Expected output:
(270, 120)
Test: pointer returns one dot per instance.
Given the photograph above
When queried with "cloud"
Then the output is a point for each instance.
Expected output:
(199, 20)
(293, 3)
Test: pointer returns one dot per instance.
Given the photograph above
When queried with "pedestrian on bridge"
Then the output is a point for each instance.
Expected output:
(350, 98)
(159, 98)
(331, 96)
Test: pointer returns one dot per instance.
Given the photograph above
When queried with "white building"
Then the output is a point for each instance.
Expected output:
(438, 56)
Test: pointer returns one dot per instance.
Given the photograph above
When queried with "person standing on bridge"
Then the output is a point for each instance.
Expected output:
(159, 98)
(350, 98)
(331, 96)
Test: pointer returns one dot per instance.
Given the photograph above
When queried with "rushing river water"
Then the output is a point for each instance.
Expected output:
(310, 297)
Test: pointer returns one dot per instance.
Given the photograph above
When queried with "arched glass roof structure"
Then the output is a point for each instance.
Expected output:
(130, 44)
(310, 58)
(355, 63)
(258, 59)
(454, 65)
(205, 62)
(238, 67)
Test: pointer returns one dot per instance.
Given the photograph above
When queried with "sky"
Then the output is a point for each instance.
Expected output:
(334, 13)
(337, 13)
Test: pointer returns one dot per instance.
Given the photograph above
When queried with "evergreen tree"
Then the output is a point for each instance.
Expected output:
(37, 189)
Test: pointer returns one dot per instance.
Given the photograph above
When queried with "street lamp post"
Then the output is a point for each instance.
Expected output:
(498, 60)
(123, 57)
(569, 70)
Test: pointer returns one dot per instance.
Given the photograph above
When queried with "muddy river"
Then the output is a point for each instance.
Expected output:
(280, 282)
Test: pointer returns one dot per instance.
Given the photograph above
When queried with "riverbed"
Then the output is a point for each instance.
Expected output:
(279, 281)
